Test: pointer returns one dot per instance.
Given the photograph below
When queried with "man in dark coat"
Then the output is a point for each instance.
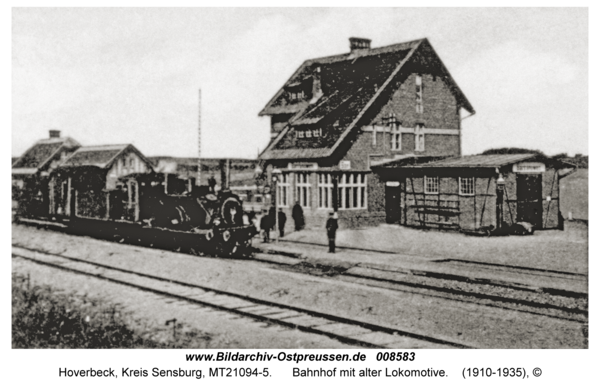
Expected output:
(272, 214)
(265, 226)
(212, 183)
(332, 226)
(298, 216)
(281, 219)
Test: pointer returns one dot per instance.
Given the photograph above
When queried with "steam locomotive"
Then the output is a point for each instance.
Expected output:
(150, 209)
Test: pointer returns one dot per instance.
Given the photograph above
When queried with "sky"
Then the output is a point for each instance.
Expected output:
(133, 75)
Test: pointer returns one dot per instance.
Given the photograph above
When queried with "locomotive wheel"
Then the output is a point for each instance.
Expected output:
(226, 235)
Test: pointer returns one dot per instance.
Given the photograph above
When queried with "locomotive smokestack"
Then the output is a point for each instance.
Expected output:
(224, 167)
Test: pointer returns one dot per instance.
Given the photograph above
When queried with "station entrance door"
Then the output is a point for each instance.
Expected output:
(393, 202)
(529, 199)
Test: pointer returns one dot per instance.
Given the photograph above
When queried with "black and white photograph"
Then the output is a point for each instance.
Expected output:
(389, 179)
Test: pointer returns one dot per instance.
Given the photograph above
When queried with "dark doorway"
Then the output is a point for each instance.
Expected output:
(529, 199)
(392, 203)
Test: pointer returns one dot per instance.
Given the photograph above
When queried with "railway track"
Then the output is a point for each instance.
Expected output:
(556, 303)
(345, 330)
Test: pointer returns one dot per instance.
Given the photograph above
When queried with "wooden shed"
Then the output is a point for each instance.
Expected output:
(475, 193)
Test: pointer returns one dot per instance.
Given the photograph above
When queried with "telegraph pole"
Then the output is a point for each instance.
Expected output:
(199, 175)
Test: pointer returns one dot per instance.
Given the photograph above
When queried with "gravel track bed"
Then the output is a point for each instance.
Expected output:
(469, 324)
(150, 311)
(501, 291)
(486, 294)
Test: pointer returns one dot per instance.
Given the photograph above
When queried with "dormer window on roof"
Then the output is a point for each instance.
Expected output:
(297, 95)
(359, 44)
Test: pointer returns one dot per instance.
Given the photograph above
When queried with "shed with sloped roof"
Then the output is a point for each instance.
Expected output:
(80, 185)
(475, 193)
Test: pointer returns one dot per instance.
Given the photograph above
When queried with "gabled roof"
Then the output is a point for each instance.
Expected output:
(41, 153)
(403, 160)
(295, 153)
(305, 70)
(362, 77)
(101, 156)
(477, 161)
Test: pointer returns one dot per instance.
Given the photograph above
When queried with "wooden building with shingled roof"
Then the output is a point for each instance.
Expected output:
(75, 185)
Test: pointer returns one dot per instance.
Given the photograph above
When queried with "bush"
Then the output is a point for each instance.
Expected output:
(43, 317)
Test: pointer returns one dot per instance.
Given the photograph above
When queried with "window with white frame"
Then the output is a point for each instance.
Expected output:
(303, 188)
(283, 189)
(325, 185)
(317, 133)
(308, 133)
(419, 93)
(466, 185)
(352, 190)
(295, 96)
(389, 119)
(432, 185)
(396, 138)
(419, 137)
(300, 133)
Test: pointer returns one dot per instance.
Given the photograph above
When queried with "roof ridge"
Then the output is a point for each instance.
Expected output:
(102, 147)
(368, 52)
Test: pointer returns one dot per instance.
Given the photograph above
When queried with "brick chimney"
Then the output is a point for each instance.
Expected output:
(54, 133)
(357, 44)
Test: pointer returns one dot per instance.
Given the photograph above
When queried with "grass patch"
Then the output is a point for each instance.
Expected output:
(574, 195)
(45, 317)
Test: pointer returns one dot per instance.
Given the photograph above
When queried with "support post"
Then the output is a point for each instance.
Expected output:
(68, 206)
(107, 205)
(335, 194)
(137, 201)
(275, 181)
(499, 202)
(199, 175)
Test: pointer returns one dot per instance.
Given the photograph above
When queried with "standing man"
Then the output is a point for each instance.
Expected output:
(212, 183)
(265, 226)
(332, 226)
(281, 219)
(298, 216)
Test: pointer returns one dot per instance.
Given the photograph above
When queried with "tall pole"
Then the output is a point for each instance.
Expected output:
(275, 193)
(199, 175)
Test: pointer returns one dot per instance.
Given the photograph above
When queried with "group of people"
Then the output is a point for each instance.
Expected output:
(268, 222)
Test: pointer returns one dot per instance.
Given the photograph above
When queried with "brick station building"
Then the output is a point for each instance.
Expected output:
(338, 116)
